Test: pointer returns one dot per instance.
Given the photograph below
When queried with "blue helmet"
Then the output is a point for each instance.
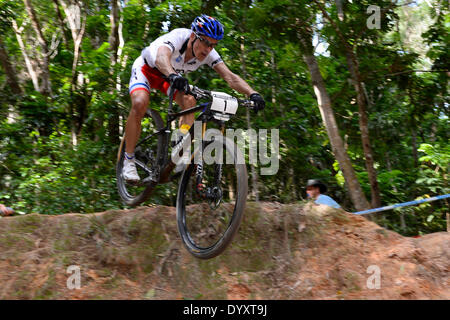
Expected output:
(208, 26)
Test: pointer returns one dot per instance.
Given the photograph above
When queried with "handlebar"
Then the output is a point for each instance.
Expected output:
(199, 93)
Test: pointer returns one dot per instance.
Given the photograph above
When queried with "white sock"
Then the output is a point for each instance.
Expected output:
(129, 156)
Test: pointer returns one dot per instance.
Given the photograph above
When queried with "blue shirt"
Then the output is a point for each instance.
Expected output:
(326, 200)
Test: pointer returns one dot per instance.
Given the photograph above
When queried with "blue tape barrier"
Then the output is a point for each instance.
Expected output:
(404, 204)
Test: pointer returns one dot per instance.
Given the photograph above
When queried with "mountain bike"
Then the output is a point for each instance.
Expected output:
(213, 187)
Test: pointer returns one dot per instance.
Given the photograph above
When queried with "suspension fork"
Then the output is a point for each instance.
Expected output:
(218, 166)
(199, 174)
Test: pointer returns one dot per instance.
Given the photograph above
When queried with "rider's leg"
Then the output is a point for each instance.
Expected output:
(139, 104)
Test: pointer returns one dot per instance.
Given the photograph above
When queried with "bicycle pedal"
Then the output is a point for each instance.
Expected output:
(149, 180)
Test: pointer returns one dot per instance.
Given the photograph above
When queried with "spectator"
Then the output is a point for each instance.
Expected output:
(315, 188)
(5, 211)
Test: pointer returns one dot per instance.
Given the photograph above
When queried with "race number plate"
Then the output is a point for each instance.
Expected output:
(224, 103)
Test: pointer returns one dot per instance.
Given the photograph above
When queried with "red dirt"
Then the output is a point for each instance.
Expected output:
(281, 252)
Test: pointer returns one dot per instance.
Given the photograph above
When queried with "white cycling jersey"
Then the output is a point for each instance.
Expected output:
(176, 41)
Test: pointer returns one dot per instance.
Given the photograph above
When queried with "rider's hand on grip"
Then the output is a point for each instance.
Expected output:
(178, 82)
(258, 102)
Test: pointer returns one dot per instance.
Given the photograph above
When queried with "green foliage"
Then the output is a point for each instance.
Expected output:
(434, 170)
(58, 178)
(43, 170)
(436, 155)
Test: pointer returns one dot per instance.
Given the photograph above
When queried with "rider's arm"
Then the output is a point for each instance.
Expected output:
(234, 81)
(163, 61)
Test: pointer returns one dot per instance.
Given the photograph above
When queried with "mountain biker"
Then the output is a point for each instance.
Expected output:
(162, 64)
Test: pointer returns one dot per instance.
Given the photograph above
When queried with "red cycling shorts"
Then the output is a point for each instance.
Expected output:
(144, 77)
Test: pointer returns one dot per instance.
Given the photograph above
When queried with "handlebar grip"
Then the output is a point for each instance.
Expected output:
(247, 103)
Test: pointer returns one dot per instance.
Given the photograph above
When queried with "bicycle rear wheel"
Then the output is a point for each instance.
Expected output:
(149, 156)
(208, 217)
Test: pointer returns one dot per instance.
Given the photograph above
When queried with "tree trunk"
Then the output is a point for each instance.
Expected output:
(413, 129)
(433, 132)
(9, 69)
(340, 9)
(114, 120)
(402, 221)
(114, 35)
(292, 189)
(121, 63)
(61, 24)
(364, 127)
(77, 106)
(356, 193)
(31, 72)
(414, 146)
(45, 73)
(77, 32)
(231, 191)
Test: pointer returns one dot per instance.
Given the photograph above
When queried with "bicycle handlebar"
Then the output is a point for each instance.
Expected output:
(199, 93)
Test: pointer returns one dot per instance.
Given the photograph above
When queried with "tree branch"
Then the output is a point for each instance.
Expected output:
(333, 23)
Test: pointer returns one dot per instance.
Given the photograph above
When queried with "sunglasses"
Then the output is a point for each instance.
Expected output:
(206, 42)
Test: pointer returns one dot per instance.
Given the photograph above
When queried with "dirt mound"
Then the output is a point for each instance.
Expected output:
(281, 252)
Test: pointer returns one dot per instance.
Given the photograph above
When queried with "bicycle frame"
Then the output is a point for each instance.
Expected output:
(162, 176)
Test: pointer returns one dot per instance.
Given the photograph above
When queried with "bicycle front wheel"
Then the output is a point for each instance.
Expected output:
(211, 199)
